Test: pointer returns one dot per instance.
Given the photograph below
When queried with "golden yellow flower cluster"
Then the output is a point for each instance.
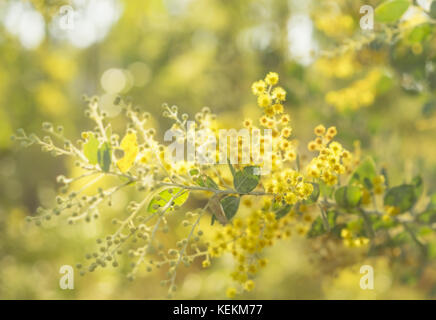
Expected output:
(351, 241)
(289, 185)
(333, 160)
(334, 25)
(270, 99)
(361, 93)
(341, 67)
(245, 239)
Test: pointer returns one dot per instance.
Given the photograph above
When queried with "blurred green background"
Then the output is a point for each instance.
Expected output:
(196, 53)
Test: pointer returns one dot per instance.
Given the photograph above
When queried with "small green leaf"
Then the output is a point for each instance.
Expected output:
(206, 182)
(425, 231)
(391, 10)
(246, 180)
(364, 173)
(318, 227)
(232, 169)
(419, 186)
(348, 196)
(193, 172)
(200, 182)
(283, 211)
(164, 196)
(432, 12)
(419, 33)
(384, 83)
(104, 157)
(402, 197)
(90, 149)
(429, 108)
(211, 184)
(325, 189)
(431, 253)
(217, 210)
(230, 206)
(428, 216)
(432, 204)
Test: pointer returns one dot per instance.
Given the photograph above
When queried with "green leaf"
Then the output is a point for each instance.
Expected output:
(193, 172)
(283, 211)
(429, 214)
(90, 149)
(211, 184)
(402, 197)
(432, 12)
(429, 108)
(230, 206)
(325, 190)
(419, 186)
(318, 227)
(232, 169)
(364, 173)
(348, 196)
(384, 84)
(206, 182)
(379, 223)
(431, 253)
(432, 204)
(164, 196)
(104, 157)
(200, 182)
(419, 33)
(425, 231)
(391, 10)
(427, 217)
(246, 181)
(314, 195)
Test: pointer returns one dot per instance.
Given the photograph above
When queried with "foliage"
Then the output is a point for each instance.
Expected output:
(164, 187)
(359, 202)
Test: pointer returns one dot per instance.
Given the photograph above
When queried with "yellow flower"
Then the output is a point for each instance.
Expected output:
(392, 211)
(279, 94)
(249, 285)
(290, 155)
(272, 78)
(231, 293)
(264, 100)
(248, 123)
(129, 145)
(269, 112)
(286, 132)
(263, 263)
(332, 131)
(205, 263)
(291, 198)
(345, 233)
(320, 130)
(258, 87)
(285, 119)
(312, 146)
(278, 108)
